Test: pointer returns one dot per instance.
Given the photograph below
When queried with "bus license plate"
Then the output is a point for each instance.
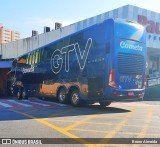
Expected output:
(131, 93)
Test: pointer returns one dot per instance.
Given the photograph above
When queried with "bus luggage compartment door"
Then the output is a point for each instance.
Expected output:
(95, 88)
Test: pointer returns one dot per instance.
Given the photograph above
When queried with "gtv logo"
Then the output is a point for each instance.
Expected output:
(57, 59)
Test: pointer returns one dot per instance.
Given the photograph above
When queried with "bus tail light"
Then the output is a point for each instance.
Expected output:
(145, 81)
(112, 82)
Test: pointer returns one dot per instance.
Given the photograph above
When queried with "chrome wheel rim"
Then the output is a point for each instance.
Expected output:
(62, 96)
(23, 94)
(18, 94)
(75, 98)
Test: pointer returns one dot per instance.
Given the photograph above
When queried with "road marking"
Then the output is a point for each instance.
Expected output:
(61, 130)
(114, 131)
(63, 112)
(18, 103)
(5, 105)
(35, 103)
(98, 131)
(146, 124)
(52, 103)
(80, 122)
(101, 123)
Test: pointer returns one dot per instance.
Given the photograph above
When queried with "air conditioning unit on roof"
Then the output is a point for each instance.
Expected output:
(58, 25)
(34, 33)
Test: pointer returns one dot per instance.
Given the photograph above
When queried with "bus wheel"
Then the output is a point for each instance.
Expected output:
(62, 97)
(19, 95)
(75, 98)
(24, 95)
(104, 104)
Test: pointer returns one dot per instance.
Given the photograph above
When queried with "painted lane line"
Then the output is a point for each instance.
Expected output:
(36, 103)
(5, 105)
(146, 123)
(119, 126)
(52, 103)
(18, 103)
(54, 127)
(60, 113)
(81, 121)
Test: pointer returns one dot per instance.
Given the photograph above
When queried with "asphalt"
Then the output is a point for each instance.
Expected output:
(88, 125)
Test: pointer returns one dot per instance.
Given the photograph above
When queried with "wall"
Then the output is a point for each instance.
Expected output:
(19, 47)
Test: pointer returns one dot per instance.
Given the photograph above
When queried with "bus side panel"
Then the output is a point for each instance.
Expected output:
(109, 57)
(96, 68)
(88, 74)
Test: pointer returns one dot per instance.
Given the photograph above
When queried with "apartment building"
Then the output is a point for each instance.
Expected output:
(8, 35)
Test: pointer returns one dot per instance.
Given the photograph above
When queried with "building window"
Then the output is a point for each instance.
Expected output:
(154, 69)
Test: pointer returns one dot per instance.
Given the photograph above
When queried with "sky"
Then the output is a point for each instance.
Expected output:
(27, 15)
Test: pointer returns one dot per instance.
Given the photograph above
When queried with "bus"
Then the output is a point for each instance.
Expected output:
(102, 63)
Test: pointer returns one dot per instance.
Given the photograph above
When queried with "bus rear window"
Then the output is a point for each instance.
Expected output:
(133, 31)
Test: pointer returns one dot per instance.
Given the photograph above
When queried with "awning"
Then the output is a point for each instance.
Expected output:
(5, 64)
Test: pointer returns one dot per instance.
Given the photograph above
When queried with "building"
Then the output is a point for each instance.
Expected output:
(149, 19)
(8, 35)
(4, 69)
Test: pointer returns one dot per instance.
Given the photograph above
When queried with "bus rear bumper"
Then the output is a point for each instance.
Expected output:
(120, 95)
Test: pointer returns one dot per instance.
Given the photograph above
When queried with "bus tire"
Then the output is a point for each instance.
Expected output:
(19, 95)
(24, 95)
(62, 97)
(104, 104)
(75, 98)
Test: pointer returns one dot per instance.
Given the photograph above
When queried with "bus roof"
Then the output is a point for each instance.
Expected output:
(116, 20)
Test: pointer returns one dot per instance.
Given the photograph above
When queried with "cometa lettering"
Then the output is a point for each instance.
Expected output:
(130, 46)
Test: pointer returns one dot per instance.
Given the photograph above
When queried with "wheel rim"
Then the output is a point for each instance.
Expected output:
(62, 96)
(18, 94)
(75, 98)
(23, 94)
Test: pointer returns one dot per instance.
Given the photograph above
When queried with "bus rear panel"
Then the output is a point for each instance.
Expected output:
(127, 74)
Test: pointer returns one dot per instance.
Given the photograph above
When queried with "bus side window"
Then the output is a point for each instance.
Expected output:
(14, 64)
(108, 47)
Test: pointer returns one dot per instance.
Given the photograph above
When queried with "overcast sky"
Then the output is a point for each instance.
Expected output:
(27, 15)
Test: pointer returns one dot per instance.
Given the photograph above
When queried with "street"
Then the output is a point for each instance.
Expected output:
(36, 118)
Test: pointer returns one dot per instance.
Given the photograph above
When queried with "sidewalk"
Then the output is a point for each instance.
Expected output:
(152, 93)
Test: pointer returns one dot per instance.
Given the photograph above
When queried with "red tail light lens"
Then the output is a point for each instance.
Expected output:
(112, 82)
(145, 81)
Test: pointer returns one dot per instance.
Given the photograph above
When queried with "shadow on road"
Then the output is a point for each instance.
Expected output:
(54, 112)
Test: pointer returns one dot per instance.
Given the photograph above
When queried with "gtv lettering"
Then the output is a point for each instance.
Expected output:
(57, 59)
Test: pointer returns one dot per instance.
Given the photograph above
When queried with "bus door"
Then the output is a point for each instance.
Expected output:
(96, 79)
(95, 87)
